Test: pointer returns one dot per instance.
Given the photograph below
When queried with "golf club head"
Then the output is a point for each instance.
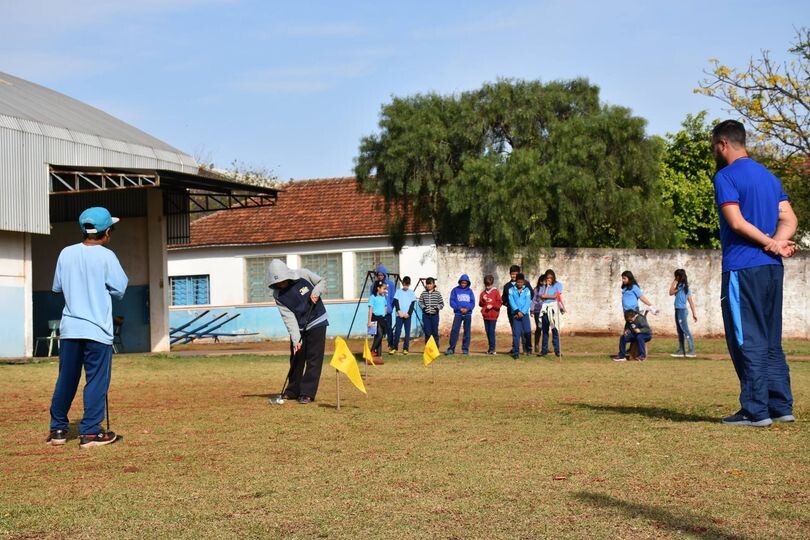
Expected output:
(277, 400)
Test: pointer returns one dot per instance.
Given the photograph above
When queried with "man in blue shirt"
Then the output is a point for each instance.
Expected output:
(87, 274)
(756, 227)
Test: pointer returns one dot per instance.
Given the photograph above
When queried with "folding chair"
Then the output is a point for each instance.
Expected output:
(53, 326)
(117, 344)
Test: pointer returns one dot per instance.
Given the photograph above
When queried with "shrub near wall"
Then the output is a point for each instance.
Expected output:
(592, 279)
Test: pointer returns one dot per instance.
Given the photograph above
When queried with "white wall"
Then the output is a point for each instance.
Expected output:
(16, 326)
(227, 269)
(592, 282)
(128, 242)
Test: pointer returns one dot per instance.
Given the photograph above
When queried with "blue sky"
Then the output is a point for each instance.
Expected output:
(294, 86)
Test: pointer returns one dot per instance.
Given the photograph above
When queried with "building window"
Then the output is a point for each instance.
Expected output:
(370, 260)
(256, 282)
(190, 290)
(330, 267)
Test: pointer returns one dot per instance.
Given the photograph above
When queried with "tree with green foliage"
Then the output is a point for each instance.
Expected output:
(516, 167)
(687, 169)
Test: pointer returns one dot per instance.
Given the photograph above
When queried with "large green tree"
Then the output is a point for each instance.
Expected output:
(687, 168)
(518, 166)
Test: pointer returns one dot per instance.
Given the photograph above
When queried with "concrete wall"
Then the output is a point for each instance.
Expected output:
(16, 339)
(592, 281)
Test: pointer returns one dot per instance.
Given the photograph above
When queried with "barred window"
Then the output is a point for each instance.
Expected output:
(190, 290)
(330, 267)
(370, 260)
(256, 279)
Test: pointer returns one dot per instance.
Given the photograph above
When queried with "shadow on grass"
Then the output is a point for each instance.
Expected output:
(263, 396)
(679, 522)
(650, 412)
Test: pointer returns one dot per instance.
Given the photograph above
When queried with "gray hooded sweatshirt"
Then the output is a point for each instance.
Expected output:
(278, 271)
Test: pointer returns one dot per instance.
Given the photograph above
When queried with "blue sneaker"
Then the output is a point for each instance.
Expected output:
(742, 419)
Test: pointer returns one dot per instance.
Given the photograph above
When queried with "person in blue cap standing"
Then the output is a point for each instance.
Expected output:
(88, 274)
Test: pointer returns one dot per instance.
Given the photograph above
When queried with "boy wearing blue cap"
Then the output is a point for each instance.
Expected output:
(88, 274)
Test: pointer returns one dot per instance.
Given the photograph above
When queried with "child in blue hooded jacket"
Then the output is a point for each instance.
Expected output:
(462, 300)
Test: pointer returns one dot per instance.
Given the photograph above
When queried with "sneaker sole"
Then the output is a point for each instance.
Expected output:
(93, 444)
(759, 423)
(784, 419)
(56, 442)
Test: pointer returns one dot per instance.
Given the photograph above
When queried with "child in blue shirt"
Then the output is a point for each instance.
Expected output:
(680, 290)
(404, 303)
(378, 313)
(632, 293)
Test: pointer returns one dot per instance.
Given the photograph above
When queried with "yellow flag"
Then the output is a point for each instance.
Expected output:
(367, 354)
(343, 361)
(431, 352)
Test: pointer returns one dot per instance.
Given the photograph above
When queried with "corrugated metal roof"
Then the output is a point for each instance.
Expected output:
(31, 102)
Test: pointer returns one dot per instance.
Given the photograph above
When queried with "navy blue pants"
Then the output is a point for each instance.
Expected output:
(458, 319)
(406, 322)
(520, 329)
(639, 339)
(555, 336)
(751, 300)
(430, 323)
(96, 359)
(489, 328)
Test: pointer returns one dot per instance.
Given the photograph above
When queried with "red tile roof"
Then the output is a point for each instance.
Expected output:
(307, 210)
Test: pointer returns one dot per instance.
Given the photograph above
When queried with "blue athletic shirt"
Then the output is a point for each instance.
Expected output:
(630, 297)
(378, 305)
(681, 296)
(758, 193)
(552, 290)
(88, 275)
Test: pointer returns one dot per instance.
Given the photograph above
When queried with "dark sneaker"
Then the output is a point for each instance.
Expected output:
(742, 419)
(491, 352)
(618, 358)
(97, 439)
(57, 437)
(516, 356)
(784, 418)
(678, 354)
(304, 400)
(641, 358)
(449, 352)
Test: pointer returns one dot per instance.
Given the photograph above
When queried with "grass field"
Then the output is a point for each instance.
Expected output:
(478, 447)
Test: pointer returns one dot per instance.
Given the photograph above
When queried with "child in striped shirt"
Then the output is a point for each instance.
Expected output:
(431, 302)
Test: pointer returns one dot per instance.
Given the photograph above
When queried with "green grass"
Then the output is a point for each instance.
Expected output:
(479, 447)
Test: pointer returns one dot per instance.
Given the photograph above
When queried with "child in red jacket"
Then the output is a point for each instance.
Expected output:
(490, 303)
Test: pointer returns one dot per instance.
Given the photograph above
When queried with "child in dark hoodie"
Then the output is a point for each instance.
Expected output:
(462, 300)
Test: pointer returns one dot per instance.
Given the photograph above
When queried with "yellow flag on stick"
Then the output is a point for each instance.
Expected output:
(367, 354)
(431, 352)
(343, 361)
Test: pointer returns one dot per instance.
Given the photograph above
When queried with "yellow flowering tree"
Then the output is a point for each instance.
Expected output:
(773, 98)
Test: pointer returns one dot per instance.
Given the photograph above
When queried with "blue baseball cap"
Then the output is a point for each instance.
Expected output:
(96, 220)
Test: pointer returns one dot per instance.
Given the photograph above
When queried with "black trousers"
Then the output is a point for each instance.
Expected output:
(382, 331)
(306, 364)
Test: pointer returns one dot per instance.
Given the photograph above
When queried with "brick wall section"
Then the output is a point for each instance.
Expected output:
(592, 281)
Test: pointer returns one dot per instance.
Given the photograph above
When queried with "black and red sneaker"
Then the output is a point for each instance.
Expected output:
(57, 437)
(97, 439)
